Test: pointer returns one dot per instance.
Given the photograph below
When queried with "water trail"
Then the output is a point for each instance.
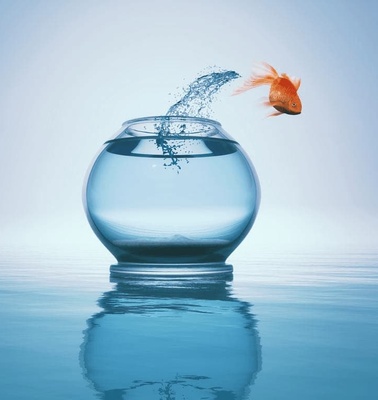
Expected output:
(196, 102)
(169, 150)
(200, 94)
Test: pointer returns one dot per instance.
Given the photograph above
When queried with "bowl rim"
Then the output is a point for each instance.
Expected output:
(176, 118)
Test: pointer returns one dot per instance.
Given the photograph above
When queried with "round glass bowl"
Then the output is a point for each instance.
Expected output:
(171, 195)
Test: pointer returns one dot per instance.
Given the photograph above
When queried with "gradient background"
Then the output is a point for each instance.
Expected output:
(72, 71)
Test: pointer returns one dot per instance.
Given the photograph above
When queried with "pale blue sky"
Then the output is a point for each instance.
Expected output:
(72, 71)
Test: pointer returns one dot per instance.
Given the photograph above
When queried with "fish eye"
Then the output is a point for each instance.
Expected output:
(293, 104)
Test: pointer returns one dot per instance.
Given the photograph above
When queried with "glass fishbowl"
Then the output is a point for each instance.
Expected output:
(171, 195)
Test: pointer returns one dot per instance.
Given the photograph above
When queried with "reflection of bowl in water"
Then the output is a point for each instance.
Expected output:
(171, 190)
(171, 339)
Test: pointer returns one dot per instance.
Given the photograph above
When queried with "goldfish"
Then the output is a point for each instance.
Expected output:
(283, 94)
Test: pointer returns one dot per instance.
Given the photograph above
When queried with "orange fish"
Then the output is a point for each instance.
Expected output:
(283, 94)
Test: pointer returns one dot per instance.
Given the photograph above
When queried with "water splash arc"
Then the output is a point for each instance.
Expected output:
(196, 102)
(200, 94)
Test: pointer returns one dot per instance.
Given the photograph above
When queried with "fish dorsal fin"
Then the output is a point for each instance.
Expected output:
(295, 81)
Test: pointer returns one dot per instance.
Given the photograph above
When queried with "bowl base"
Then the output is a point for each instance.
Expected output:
(174, 270)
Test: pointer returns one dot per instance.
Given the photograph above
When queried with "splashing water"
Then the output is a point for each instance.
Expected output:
(195, 103)
(200, 94)
(169, 150)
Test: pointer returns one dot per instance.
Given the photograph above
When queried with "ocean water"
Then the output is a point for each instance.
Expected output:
(283, 326)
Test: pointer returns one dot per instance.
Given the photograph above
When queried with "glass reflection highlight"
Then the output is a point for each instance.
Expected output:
(171, 339)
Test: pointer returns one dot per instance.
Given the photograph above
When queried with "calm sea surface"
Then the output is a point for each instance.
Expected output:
(290, 326)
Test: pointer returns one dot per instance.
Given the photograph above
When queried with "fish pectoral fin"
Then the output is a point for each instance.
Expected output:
(266, 103)
(275, 114)
(269, 103)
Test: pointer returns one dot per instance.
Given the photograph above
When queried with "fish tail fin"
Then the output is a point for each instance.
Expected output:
(267, 70)
(248, 84)
(267, 76)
